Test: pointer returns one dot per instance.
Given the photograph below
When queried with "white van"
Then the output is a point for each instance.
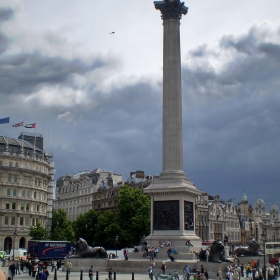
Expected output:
(19, 254)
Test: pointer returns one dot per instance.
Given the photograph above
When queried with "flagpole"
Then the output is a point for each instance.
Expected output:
(8, 134)
(22, 136)
(35, 140)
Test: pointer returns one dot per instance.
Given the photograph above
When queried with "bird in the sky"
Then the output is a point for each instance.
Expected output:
(112, 32)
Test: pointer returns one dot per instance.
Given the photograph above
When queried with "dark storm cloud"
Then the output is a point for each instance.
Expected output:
(6, 14)
(232, 119)
(24, 73)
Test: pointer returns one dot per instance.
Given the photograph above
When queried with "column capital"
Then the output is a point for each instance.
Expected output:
(171, 9)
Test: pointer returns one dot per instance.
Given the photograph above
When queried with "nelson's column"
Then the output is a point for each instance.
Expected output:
(173, 196)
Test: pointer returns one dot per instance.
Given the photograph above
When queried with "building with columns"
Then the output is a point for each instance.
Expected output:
(217, 219)
(26, 193)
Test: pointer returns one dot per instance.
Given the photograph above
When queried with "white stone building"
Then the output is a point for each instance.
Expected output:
(74, 193)
(26, 182)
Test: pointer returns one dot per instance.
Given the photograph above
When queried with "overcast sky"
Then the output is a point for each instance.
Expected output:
(97, 97)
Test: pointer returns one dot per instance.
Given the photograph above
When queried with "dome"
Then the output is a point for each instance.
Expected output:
(274, 209)
(260, 201)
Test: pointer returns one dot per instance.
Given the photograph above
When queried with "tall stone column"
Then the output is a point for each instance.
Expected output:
(172, 140)
(173, 196)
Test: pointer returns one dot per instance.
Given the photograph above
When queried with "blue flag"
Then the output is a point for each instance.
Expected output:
(5, 120)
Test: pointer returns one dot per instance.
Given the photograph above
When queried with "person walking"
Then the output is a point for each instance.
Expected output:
(17, 268)
(163, 267)
(186, 273)
(150, 271)
(219, 274)
(90, 273)
(69, 266)
(110, 274)
(206, 274)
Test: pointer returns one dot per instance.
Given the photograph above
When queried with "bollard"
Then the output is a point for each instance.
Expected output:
(67, 274)
(97, 275)
(81, 275)
(55, 275)
(132, 276)
(115, 276)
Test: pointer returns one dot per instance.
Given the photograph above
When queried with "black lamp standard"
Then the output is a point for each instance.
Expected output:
(257, 233)
(264, 267)
(116, 241)
(14, 234)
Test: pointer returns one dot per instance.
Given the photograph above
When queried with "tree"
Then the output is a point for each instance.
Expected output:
(107, 228)
(133, 215)
(38, 232)
(62, 227)
(85, 226)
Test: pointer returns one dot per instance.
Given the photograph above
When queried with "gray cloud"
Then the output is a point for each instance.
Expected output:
(26, 73)
(6, 14)
(231, 115)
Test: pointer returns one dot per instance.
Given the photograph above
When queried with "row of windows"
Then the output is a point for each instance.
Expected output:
(26, 193)
(25, 207)
(26, 166)
(25, 181)
(11, 221)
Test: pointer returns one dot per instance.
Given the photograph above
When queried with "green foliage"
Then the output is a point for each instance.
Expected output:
(107, 228)
(133, 215)
(85, 226)
(62, 227)
(38, 232)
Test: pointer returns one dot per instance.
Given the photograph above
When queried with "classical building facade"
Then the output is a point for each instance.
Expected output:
(216, 220)
(26, 193)
(75, 194)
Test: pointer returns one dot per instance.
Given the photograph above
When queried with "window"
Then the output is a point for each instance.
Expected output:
(34, 195)
(6, 221)
(21, 221)
(22, 206)
(7, 205)
(26, 221)
(0, 162)
(14, 192)
(9, 178)
(15, 179)
(13, 221)
(28, 193)
(23, 193)
(13, 206)
(27, 207)
(10, 164)
(8, 192)
(38, 208)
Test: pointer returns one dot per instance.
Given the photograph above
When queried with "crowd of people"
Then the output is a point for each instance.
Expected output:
(34, 268)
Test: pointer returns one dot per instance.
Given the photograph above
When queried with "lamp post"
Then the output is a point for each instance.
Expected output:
(116, 241)
(14, 234)
(257, 233)
(264, 267)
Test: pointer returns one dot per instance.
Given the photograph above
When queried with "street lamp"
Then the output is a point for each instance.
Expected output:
(264, 267)
(116, 241)
(257, 233)
(14, 234)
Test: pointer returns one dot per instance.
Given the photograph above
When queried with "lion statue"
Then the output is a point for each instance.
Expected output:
(217, 253)
(251, 250)
(85, 251)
